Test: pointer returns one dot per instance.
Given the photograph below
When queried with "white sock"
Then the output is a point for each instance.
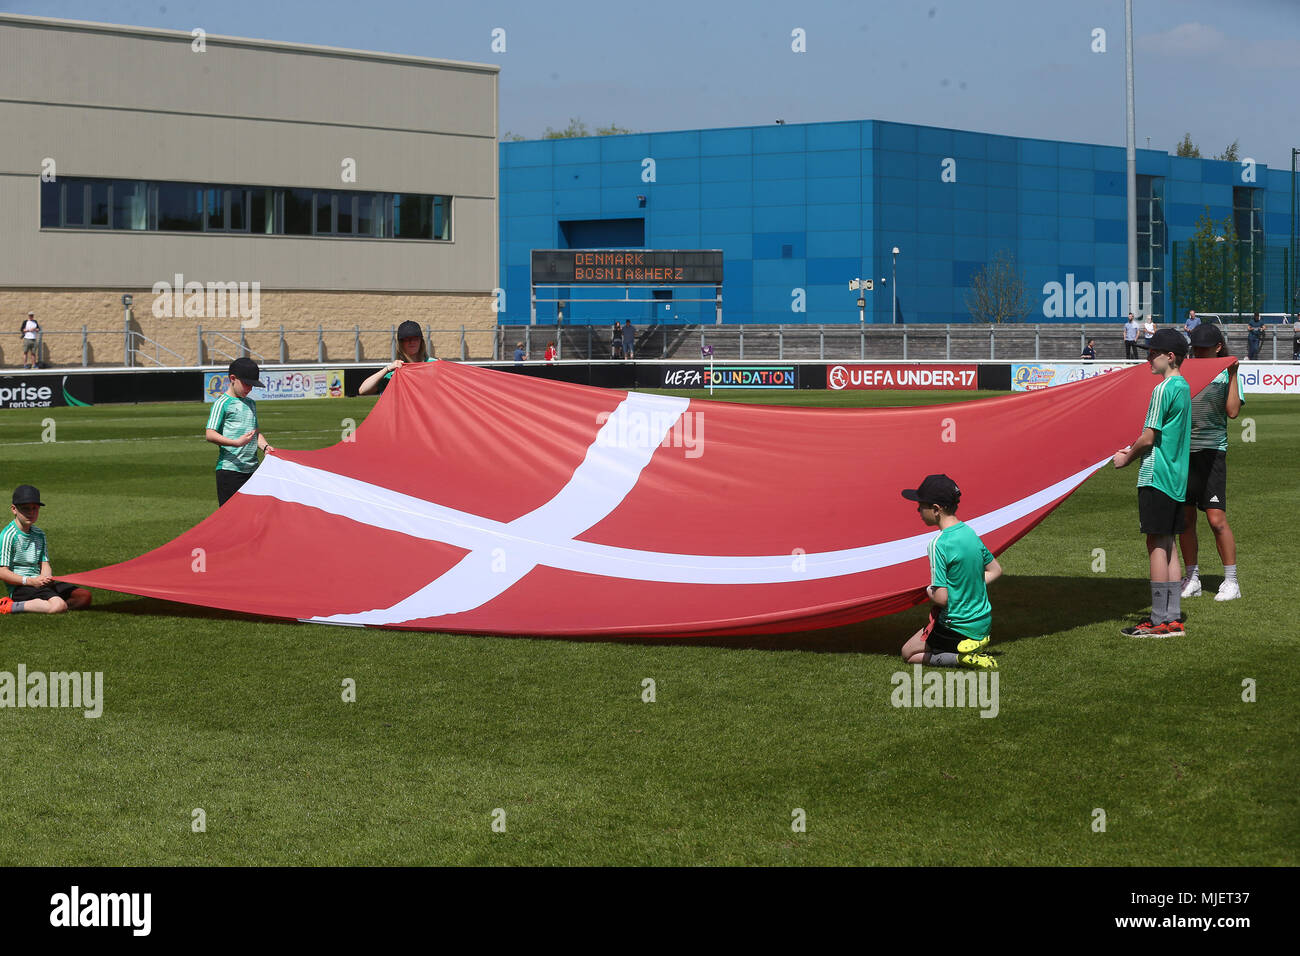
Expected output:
(1230, 572)
(1191, 570)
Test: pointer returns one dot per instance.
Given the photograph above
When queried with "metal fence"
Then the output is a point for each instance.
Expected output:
(798, 343)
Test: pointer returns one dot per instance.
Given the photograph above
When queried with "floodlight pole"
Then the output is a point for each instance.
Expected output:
(1131, 149)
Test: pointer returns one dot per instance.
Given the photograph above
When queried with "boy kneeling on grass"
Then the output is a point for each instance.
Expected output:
(961, 569)
(25, 565)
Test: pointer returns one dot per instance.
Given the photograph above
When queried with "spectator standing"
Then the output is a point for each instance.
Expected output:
(616, 342)
(1254, 337)
(29, 330)
(550, 351)
(629, 340)
(520, 354)
(1190, 325)
(1089, 352)
(1130, 337)
(1148, 332)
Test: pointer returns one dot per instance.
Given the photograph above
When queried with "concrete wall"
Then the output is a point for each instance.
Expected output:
(142, 104)
(63, 312)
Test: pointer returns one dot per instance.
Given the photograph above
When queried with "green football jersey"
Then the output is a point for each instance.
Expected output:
(22, 553)
(233, 418)
(957, 561)
(1210, 414)
(1170, 415)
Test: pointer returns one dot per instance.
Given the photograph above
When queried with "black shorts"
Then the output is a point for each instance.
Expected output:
(940, 638)
(228, 482)
(1207, 479)
(1159, 513)
(55, 589)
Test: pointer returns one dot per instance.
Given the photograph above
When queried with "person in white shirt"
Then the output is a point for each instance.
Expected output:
(1148, 331)
(28, 331)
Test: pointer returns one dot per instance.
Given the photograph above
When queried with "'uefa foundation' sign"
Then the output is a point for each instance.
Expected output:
(730, 376)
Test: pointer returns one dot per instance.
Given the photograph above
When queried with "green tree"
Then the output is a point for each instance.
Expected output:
(1231, 154)
(1208, 266)
(1188, 148)
(998, 292)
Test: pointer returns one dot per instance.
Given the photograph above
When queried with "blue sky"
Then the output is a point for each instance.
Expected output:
(1221, 71)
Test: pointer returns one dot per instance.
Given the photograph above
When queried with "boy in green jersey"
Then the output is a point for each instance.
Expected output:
(232, 425)
(961, 569)
(1162, 480)
(25, 564)
(1207, 477)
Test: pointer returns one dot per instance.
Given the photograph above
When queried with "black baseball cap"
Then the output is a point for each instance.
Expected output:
(246, 370)
(409, 330)
(1167, 340)
(935, 489)
(27, 495)
(1207, 335)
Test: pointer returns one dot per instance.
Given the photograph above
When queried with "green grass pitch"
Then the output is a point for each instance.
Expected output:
(244, 717)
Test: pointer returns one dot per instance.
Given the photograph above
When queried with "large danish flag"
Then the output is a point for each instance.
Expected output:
(477, 501)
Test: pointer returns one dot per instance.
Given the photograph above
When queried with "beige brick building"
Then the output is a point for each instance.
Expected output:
(324, 190)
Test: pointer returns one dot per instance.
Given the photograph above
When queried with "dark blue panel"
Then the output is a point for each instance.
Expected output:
(1038, 177)
(1152, 163)
(730, 220)
(779, 166)
(972, 248)
(726, 142)
(896, 164)
(602, 233)
(1038, 202)
(1002, 149)
(1075, 155)
(1108, 158)
(615, 149)
(583, 150)
(897, 218)
(895, 136)
(832, 271)
(845, 191)
(841, 216)
(1077, 181)
(779, 139)
(769, 245)
(1183, 167)
(668, 145)
(1003, 175)
(841, 162)
(1002, 224)
(675, 222)
(931, 140)
(1077, 230)
(1109, 184)
(1038, 152)
(969, 145)
(1277, 223)
(931, 247)
(779, 192)
(1111, 230)
(932, 220)
(715, 195)
(1181, 214)
(1216, 172)
(965, 271)
(830, 244)
(1075, 204)
(835, 136)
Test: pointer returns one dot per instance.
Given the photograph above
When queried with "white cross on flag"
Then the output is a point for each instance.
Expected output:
(476, 501)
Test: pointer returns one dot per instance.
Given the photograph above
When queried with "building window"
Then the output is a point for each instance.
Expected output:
(178, 207)
(80, 202)
(1151, 240)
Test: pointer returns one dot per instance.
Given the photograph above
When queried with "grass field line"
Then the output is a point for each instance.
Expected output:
(185, 438)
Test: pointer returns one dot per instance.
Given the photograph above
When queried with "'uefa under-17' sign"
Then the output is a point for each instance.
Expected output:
(627, 266)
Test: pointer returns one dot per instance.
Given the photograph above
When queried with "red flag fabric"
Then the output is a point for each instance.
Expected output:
(477, 501)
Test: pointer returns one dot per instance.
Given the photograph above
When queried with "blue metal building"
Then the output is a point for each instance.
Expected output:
(800, 210)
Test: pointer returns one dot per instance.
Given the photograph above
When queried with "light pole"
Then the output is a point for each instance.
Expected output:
(894, 318)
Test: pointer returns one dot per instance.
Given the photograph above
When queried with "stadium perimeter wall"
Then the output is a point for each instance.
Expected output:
(61, 387)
